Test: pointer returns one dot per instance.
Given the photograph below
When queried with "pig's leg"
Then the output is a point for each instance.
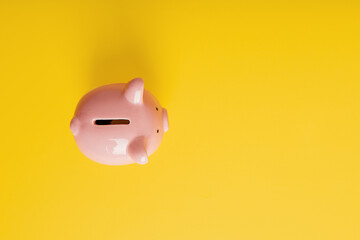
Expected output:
(137, 151)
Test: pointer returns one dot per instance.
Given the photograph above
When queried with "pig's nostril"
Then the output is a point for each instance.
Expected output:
(112, 122)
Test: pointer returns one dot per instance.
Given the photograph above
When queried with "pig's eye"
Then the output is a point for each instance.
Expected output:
(157, 131)
(157, 109)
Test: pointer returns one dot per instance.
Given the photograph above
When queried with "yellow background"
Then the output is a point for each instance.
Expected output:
(263, 102)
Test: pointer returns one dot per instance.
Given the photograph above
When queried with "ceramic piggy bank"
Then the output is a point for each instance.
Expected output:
(119, 124)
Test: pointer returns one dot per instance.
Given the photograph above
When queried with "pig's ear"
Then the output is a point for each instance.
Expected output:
(74, 126)
(165, 120)
(134, 91)
(137, 151)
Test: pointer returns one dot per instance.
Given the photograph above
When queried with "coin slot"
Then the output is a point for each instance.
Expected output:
(103, 122)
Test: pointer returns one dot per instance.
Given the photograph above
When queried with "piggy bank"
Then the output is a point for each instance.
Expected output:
(119, 123)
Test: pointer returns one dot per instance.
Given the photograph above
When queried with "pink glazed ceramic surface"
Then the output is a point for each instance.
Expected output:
(119, 124)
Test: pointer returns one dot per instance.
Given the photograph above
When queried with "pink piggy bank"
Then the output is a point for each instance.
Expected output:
(119, 123)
